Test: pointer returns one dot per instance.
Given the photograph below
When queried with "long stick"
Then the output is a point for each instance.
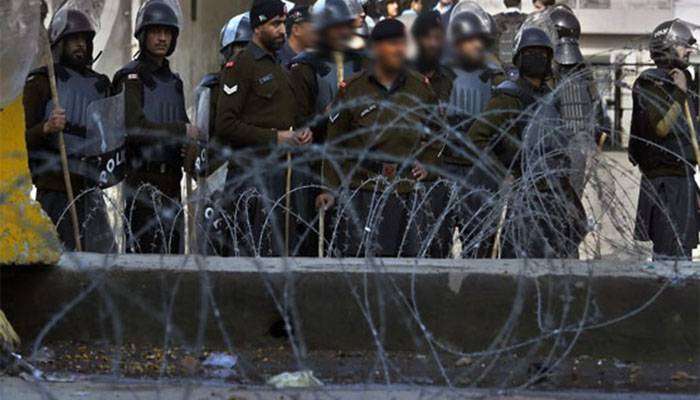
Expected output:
(496, 251)
(287, 201)
(693, 134)
(321, 231)
(62, 149)
(190, 215)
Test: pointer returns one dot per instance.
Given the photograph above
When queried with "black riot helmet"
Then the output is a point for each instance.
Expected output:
(567, 50)
(327, 13)
(531, 37)
(566, 23)
(157, 13)
(467, 25)
(69, 22)
(666, 38)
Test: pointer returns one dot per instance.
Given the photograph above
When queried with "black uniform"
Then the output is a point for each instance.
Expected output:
(667, 212)
(156, 120)
(255, 102)
(76, 90)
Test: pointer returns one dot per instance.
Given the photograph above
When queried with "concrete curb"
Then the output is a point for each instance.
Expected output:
(404, 304)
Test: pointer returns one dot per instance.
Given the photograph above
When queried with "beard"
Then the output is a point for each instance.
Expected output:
(76, 59)
(272, 43)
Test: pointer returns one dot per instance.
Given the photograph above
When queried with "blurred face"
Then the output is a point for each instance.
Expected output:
(430, 45)
(75, 49)
(337, 37)
(392, 9)
(272, 33)
(417, 6)
(540, 5)
(158, 40)
(471, 50)
(391, 54)
(305, 34)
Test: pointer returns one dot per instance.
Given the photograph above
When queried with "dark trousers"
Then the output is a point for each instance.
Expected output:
(667, 214)
(95, 232)
(470, 207)
(154, 216)
(375, 223)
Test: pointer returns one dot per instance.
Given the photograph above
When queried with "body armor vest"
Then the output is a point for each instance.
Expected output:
(75, 93)
(471, 90)
(164, 102)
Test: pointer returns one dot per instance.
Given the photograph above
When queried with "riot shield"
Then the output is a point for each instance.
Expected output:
(541, 20)
(545, 140)
(104, 153)
(202, 120)
(19, 40)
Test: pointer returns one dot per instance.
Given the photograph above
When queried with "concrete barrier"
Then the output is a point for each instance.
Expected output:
(353, 304)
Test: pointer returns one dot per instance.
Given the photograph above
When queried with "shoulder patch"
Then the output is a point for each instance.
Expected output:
(132, 76)
(343, 84)
(230, 64)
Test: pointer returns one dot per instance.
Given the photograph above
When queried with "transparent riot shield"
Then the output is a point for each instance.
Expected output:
(202, 119)
(545, 140)
(104, 153)
(541, 20)
(19, 41)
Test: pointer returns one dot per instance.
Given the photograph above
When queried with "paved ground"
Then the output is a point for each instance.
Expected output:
(17, 389)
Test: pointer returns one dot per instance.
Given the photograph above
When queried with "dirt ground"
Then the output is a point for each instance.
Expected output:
(70, 362)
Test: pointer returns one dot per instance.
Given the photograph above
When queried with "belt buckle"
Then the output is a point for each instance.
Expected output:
(388, 170)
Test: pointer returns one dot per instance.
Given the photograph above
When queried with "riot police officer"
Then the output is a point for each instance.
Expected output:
(472, 87)
(379, 148)
(519, 128)
(580, 104)
(316, 75)
(662, 147)
(257, 107)
(71, 34)
(159, 134)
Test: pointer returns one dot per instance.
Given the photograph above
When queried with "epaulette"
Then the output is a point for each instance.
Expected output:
(41, 71)
(129, 71)
(418, 76)
(352, 78)
(210, 80)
